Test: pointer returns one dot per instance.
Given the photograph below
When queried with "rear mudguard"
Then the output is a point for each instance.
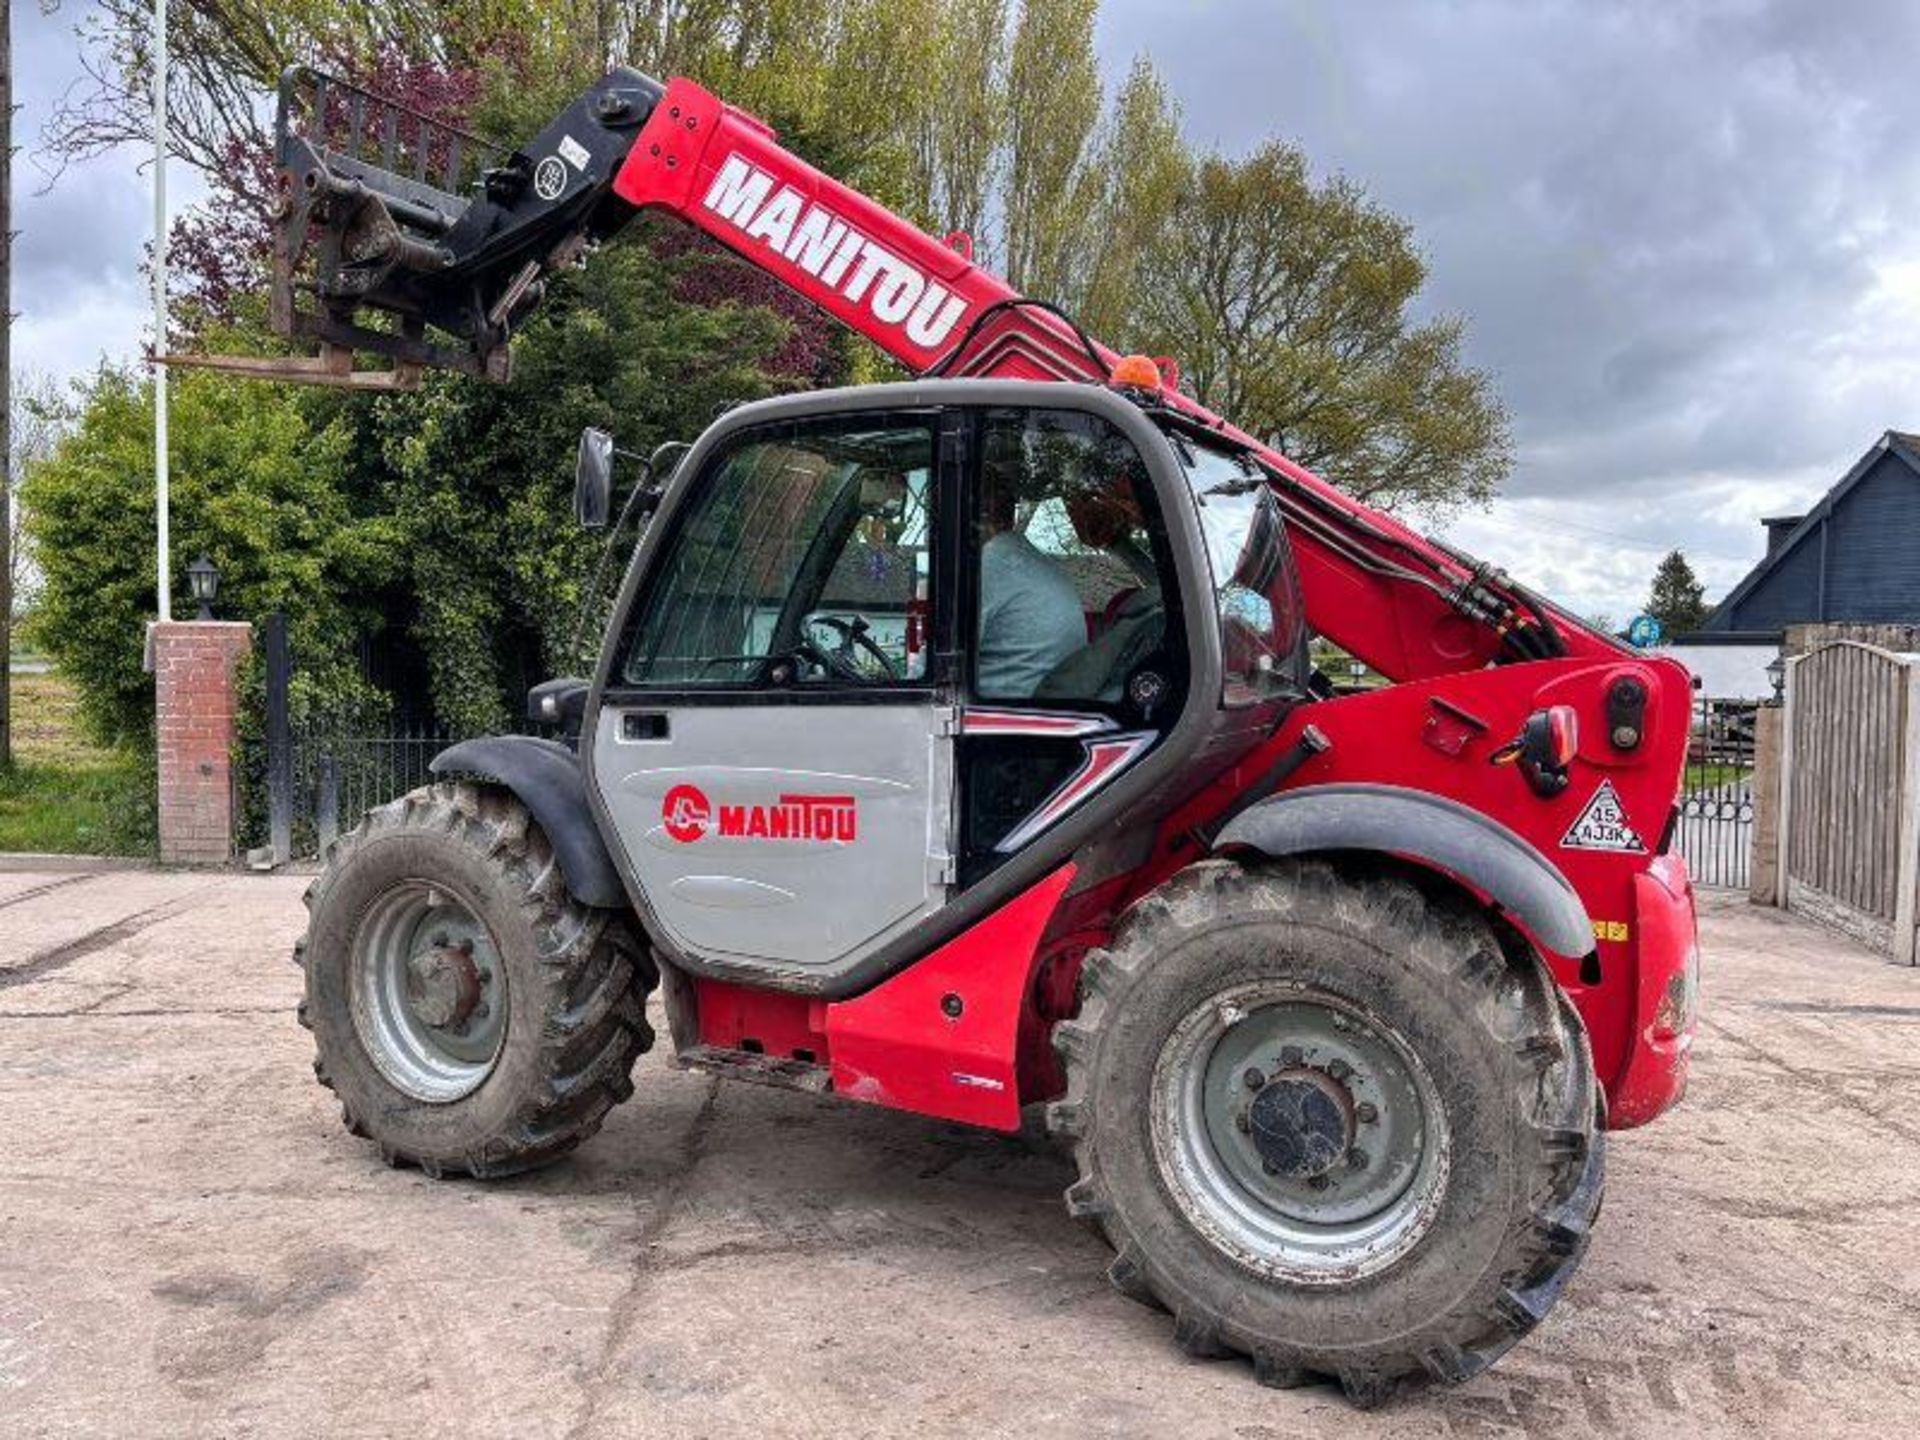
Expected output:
(1431, 830)
(545, 776)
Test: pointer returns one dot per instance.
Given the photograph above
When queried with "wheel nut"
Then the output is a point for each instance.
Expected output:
(440, 941)
(1291, 1056)
(1356, 1159)
(1339, 1069)
(1242, 1123)
(1253, 1078)
(1366, 1112)
(482, 1010)
(1319, 1182)
(1269, 1167)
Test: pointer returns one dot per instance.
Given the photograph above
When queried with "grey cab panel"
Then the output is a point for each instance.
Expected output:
(736, 722)
(803, 836)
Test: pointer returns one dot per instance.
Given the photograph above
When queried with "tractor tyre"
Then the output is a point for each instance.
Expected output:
(1329, 1122)
(471, 1015)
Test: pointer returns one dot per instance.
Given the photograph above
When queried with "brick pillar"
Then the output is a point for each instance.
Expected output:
(193, 665)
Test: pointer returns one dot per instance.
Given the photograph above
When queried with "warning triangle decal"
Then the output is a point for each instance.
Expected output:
(1603, 826)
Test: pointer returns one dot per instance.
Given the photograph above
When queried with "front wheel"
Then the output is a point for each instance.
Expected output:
(471, 1015)
(1331, 1124)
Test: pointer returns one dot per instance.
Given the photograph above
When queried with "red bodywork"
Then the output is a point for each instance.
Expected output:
(1012, 975)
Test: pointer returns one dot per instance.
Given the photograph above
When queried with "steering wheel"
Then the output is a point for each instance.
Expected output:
(841, 660)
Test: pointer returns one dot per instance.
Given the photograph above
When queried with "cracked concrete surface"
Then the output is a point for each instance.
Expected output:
(190, 1244)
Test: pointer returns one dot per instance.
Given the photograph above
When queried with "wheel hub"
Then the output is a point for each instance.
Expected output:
(1299, 1133)
(1302, 1123)
(444, 984)
(429, 992)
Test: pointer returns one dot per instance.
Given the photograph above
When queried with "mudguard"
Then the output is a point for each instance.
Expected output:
(546, 777)
(1432, 830)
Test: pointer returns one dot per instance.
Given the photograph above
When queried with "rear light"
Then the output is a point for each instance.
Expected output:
(1563, 731)
(1545, 746)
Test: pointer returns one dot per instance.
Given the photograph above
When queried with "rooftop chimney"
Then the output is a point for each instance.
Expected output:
(1778, 528)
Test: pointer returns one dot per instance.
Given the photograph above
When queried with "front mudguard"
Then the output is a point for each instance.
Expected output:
(1431, 830)
(545, 776)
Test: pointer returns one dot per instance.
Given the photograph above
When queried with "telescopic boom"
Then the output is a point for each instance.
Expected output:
(408, 238)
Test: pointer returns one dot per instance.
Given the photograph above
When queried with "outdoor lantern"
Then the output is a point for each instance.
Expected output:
(204, 581)
(1777, 673)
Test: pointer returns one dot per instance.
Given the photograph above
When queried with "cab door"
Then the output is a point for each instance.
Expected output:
(774, 742)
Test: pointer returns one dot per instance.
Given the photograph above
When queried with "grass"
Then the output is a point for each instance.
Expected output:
(64, 794)
(1714, 776)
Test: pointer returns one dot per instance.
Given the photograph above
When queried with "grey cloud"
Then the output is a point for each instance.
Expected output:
(1677, 228)
(1673, 225)
(78, 286)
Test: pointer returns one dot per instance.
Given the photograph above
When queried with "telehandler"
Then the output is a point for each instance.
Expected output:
(954, 746)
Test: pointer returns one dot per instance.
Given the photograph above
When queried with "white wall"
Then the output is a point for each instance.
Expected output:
(1727, 672)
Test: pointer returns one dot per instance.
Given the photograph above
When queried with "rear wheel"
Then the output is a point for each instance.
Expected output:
(1330, 1124)
(470, 1014)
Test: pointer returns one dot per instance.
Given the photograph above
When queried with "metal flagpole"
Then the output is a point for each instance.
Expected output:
(165, 563)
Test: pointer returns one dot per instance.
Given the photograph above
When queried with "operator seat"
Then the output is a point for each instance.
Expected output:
(1099, 671)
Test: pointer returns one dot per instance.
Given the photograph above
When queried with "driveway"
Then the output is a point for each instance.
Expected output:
(191, 1245)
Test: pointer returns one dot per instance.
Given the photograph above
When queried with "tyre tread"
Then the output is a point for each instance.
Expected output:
(590, 1042)
(1392, 911)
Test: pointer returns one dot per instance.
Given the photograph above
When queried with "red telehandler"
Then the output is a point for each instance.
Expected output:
(954, 746)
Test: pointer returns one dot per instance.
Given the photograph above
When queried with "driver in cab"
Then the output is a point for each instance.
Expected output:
(1030, 615)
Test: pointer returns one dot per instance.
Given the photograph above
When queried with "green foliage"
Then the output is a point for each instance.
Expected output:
(438, 522)
(95, 807)
(483, 475)
(432, 532)
(1287, 303)
(1053, 104)
(259, 484)
(1677, 599)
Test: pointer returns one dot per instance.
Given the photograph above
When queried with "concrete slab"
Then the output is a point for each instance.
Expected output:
(190, 1244)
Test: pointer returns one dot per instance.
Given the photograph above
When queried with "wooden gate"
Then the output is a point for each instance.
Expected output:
(1850, 792)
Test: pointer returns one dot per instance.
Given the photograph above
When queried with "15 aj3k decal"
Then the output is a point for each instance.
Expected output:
(1603, 825)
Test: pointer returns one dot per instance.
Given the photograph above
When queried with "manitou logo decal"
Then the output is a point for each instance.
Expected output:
(834, 253)
(687, 815)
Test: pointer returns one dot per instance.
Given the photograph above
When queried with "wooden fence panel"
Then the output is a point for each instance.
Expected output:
(1848, 791)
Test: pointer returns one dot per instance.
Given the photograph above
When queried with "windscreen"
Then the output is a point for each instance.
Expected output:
(1255, 587)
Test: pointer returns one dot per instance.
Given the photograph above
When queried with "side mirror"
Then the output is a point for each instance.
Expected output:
(593, 480)
(562, 703)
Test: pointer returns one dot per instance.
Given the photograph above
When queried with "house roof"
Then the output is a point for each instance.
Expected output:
(1905, 444)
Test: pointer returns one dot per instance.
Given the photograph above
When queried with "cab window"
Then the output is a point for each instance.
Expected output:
(1073, 586)
(803, 558)
(1262, 624)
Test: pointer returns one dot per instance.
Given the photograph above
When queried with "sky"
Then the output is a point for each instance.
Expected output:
(1680, 232)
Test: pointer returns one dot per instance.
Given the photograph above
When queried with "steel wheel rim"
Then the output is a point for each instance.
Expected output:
(1285, 1226)
(433, 1024)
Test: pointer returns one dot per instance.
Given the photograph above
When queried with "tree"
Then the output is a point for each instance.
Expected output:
(1677, 599)
(1287, 303)
(1141, 170)
(38, 415)
(1053, 108)
(461, 565)
(260, 485)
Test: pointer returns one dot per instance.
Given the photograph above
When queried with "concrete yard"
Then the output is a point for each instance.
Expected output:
(191, 1245)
